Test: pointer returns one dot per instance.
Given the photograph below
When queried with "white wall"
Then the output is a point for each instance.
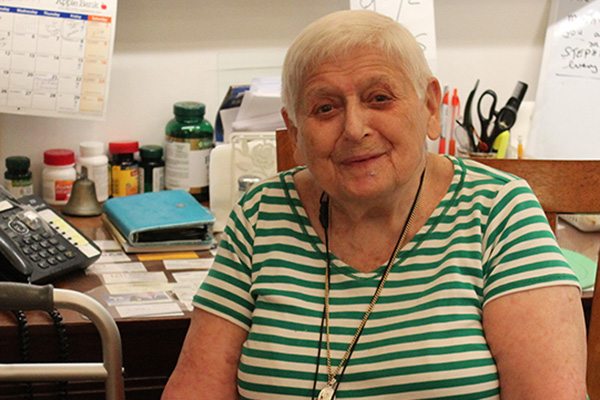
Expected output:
(168, 51)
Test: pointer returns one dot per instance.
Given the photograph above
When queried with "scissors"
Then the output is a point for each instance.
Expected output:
(486, 120)
(507, 115)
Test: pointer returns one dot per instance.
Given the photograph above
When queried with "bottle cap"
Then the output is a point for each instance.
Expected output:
(59, 157)
(18, 163)
(123, 147)
(152, 151)
(91, 149)
(189, 109)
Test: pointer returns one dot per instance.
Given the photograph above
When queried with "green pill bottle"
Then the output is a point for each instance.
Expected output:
(151, 170)
(17, 178)
(189, 141)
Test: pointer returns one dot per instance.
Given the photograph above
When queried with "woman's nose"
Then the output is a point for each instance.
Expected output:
(355, 127)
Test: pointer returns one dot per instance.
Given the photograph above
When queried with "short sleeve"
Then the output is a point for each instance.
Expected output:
(520, 250)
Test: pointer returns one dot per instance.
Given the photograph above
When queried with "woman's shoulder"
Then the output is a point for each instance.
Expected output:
(476, 170)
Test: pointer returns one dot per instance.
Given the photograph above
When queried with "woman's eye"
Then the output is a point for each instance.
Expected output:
(324, 109)
(380, 98)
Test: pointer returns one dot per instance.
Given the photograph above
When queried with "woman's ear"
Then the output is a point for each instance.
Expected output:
(292, 131)
(433, 98)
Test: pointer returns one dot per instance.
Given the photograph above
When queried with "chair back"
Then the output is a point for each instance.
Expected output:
(562, 187)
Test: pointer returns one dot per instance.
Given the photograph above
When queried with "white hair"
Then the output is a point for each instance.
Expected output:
(336, 35)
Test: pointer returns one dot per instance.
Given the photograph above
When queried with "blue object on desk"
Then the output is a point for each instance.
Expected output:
(159, 217)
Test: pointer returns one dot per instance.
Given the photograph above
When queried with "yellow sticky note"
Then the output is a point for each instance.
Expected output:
(166, 256)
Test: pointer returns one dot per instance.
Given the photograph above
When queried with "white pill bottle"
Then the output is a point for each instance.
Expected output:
(92, 156)
(58, 176)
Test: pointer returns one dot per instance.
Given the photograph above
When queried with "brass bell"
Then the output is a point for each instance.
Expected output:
(83, 201)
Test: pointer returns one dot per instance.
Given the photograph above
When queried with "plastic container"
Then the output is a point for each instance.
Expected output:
(92, 156)
(58, 176)
(189, 141)
(123, 168)
(17, 178)
(151, 171)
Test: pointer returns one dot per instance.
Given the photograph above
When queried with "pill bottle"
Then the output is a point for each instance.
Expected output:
(91, 156)
(123, 168)
(17, 178)
(151, 171)
(189, 140)
(58, 176)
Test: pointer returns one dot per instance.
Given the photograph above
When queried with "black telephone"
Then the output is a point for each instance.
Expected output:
(36, 244)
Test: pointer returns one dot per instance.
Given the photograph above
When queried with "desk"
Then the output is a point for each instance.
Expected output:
(150, 345)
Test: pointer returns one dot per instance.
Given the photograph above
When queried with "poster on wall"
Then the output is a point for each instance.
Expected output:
(416, 16)
(55, 57)
(564, 123)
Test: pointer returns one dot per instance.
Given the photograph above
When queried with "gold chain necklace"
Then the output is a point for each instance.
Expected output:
(328, 392)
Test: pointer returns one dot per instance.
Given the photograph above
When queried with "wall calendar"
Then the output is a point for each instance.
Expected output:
(55, 57)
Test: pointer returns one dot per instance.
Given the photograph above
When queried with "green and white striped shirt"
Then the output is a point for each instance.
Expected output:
(424, 340)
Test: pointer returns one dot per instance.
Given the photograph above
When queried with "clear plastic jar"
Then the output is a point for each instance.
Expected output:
(58, 176)
(189, 140)
(93, 158)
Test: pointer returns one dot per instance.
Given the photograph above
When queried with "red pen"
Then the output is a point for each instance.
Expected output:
(443, 119)
(455, 112)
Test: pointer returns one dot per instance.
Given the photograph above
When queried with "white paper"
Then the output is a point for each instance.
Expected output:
(115, 268)
(417, 16)
(108, 245)
(135, 287)
(151, 310)
(194, 278)
(157, 276)
(194, 263)
(112, 257)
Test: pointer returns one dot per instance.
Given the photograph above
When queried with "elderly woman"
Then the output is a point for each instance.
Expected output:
(379, 270)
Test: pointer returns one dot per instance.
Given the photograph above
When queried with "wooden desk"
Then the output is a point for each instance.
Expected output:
(150, 345)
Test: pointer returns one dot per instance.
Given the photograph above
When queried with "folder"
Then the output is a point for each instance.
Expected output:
(170, 220)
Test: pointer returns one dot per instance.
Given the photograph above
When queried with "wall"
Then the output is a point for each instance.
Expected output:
(168, 51)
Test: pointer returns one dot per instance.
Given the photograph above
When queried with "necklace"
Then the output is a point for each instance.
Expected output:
(328, 392)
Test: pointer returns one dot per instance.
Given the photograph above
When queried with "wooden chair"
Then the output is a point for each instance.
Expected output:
(562, 187)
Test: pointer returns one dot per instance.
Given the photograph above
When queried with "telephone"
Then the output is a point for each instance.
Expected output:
(36, 244)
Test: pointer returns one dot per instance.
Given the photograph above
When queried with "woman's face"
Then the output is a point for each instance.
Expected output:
(361, 126)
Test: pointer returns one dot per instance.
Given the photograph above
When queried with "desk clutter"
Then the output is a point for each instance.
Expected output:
(138, 286)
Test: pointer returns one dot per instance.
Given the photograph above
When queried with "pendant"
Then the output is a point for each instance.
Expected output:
(327, 392)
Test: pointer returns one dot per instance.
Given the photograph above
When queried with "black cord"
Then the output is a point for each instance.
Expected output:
(63, 347)
(25, 339)
(324, 220)
(325, 217)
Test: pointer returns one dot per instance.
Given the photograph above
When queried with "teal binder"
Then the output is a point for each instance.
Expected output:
(169, 217)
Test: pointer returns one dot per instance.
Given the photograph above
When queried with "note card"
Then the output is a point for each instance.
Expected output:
(55, 56)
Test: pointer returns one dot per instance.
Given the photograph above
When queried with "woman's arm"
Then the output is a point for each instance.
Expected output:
(208, 363)
(538, 340)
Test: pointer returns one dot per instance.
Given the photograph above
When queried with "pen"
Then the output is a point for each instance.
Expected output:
(455, 112)
(444, 121)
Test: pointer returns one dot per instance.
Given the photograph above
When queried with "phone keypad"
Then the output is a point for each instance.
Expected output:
(44, 249)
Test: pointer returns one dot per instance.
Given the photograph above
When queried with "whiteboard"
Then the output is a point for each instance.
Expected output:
(566, 119)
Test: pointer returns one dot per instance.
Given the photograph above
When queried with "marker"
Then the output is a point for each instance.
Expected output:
(455, 112)
(444, 121)
(520, 150)
(501, 144)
